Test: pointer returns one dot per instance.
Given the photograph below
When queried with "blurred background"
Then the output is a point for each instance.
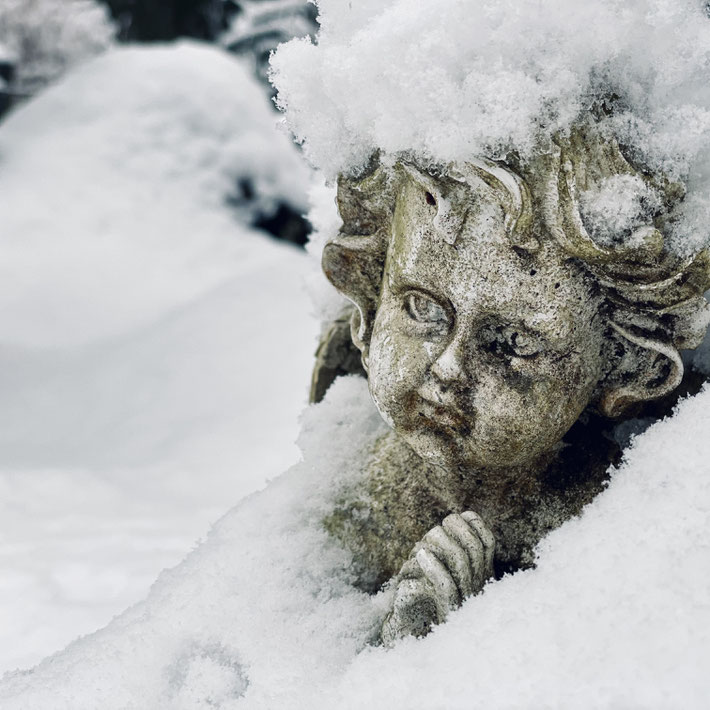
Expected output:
(156, 339)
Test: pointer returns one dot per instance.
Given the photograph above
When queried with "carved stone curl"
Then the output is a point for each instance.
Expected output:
(497, 335)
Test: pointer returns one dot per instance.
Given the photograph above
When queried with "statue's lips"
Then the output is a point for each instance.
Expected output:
(444, 416)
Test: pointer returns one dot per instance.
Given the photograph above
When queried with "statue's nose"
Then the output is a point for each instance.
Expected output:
(450, 367)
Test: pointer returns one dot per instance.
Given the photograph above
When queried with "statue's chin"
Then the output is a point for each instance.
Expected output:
(442, 451)
(454, 453)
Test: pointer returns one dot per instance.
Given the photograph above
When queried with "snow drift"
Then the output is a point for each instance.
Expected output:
(262, 615)
(143, 377)
(159, 139)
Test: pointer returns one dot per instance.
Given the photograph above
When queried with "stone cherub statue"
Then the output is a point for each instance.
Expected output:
(497, 336)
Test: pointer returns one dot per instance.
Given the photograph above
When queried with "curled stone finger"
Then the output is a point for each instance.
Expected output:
(461, 531)
(453, 556)
(445, 591)
(411, 593)
(413, 612)
(486, 536)
(410, 569)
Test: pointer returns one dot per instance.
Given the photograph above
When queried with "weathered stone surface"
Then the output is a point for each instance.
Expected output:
(336, 356)
(497, 336)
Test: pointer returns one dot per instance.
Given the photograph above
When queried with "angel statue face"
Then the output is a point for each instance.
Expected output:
(481, 355)
(487, 316)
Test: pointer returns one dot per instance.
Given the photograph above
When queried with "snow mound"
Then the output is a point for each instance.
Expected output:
(451, 80)
(262, 615)
(160, 138)
(154, 351)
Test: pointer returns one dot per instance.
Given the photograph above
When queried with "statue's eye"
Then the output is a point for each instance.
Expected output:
(510, 341)
(422, 309)
(521, 344)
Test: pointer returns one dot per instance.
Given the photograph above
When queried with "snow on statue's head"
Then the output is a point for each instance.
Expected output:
(488, 315)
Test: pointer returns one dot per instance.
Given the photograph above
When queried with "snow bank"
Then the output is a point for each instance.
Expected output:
(264, 602)
(159, 139)
(449, 80)
(262, 614)
(154, 351)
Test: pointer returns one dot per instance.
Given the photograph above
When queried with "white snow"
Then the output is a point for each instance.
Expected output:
(452, 80)
(6, 54)
(616, 207)
(154, 352)
(159, 139)
(616, 614)
(47, 37)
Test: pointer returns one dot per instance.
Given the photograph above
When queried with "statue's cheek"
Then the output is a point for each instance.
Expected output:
(555, 404)
(522, 406)
(574, 372)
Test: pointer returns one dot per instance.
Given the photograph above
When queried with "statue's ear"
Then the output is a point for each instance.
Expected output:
(354, 265)
(353, 261)
(645, 369)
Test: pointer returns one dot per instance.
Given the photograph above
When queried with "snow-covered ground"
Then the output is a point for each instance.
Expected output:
(154, 352)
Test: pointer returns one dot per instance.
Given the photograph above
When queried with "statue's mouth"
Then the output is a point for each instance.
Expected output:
(444, 416)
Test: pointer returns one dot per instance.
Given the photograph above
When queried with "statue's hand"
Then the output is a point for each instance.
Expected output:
(451, 562)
